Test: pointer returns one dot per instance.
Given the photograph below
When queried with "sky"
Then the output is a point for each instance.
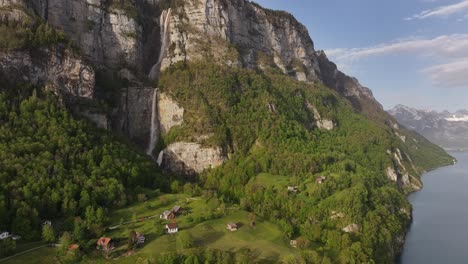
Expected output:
(411, 52)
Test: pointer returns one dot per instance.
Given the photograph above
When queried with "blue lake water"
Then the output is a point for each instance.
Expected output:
(439, 232)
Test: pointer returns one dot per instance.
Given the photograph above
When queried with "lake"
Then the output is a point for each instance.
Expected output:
(439, 232)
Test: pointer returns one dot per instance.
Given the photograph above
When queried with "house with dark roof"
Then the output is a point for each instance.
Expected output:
(172, 228)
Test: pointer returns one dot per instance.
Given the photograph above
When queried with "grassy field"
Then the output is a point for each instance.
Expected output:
(203, 219)
(40, 256)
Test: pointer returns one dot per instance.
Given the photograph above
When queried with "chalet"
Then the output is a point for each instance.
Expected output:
(293, 243)
(73, 247)
(139, 238)
(320, 179)
(231, 227)
(105, 243)
(172, 228)
(167, 215)
(292, 189)
(4, 235)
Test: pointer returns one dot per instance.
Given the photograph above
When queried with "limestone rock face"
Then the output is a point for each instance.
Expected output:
(58, 69)
(133, 115)
(109, 36)
(190, 158)
(352, 228)
(170, 113)
(262, 37)
(319, 121)
(253, 29)
(99, 119)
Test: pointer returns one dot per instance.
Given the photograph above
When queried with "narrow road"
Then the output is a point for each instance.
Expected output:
(24, 252)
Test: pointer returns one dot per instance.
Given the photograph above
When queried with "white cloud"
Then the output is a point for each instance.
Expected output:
(453, 49)
(453, 74)
(455, 45)
(442, 11)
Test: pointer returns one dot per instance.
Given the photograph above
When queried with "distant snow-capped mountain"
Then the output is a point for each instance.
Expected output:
(449, 130)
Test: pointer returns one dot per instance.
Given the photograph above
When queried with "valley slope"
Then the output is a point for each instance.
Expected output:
(242, 107)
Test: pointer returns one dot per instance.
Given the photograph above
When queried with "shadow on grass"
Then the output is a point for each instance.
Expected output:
(209, 238)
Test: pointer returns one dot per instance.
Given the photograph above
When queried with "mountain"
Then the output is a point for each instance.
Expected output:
(229, 99)
(448, 130)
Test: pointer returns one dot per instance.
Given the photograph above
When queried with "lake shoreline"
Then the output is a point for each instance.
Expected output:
(452, 177)
(398, 257)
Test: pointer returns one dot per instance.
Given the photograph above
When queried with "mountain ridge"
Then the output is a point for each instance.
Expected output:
(449, 130)
(240, 94)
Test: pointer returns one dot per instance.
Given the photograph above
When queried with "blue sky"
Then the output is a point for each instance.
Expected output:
(413, 52)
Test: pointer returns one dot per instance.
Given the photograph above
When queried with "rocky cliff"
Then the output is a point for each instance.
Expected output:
(58, 69)
(260, 38)
(121, 39)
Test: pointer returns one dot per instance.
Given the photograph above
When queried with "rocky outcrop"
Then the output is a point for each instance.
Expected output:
(99, 119)
(351, 228)
(133, 114)
(262, 38)
(58, 69)
(254, 30)
(169, 112)
(190, 158)
(320, 122)
(106, 31)
(399, 174)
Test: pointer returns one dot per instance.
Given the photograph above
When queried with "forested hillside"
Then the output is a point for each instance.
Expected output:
(267, 121)
(55, 166)
(253, 127)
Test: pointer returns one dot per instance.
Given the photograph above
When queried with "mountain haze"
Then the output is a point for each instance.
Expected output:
(448, 130)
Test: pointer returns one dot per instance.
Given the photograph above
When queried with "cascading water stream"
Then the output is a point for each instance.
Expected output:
(164, 21)
(154, 124)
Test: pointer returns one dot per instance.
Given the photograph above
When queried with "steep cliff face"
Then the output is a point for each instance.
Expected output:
(58, 69)
(106, 31)
(133, 114)
(262, 38)
(122, 38)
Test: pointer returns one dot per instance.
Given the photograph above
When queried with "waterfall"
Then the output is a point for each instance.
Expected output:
(164, 23)
(154, 124)
(160, 158)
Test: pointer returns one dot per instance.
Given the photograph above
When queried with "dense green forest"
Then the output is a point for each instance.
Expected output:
(53, 166)
(266, 120)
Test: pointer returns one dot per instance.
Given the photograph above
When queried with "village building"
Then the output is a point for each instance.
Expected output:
(16, 237)
(231, 227)
(293, 243)
(46, 222)
(4, 235)
(105, 243)
(320, 179)
(167, 215)
(172, 228)
(139, 238)
(73, 247)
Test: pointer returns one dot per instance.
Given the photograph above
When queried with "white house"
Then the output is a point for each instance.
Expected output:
(172, 228)
(4, 235)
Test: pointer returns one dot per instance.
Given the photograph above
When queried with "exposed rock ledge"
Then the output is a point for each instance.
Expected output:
(190, 158)
(57, 69)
